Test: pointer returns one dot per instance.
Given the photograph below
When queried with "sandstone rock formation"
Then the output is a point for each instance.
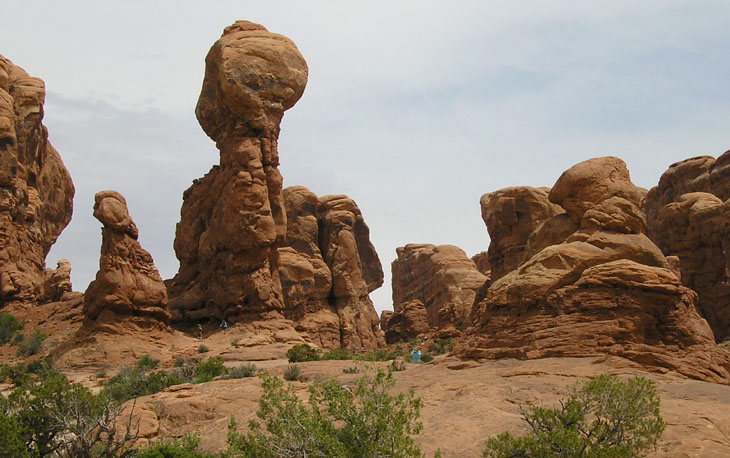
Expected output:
(688, 216)
(127, 284)
(434, 287)
(606, 288)
(36, 192)
(233, 219)
(328, 269)
(57, 282)
(481, 260)
(511, 215)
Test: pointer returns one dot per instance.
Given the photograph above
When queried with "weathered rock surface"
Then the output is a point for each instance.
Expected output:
(328, 269)
(481, 260)
(511, 215)
(433, 287)
(233, 219)
(127, 285)
(606, 288)
(36, 192)
(687, 216)
(57, 282)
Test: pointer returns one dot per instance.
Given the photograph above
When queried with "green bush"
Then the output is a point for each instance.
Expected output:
(31, 345)
(185, 447)
(441, 346)
(302, 353)
(291, 372)
(340, 354)
(606, 417)
(242, 371)
(203, 349)
(336, 422)
(147, 363)
(8, 327)
(350, 370)
(426, 358)
(207, 371)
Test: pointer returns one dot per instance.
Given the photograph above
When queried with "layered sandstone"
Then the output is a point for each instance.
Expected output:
(606, 288)
(434, 287)
(687, 216)
(233, 219)
(127, 285)
(36, 192)
(328, 269)
(511, 215)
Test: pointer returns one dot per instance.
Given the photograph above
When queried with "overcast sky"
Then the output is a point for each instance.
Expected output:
(413, 109)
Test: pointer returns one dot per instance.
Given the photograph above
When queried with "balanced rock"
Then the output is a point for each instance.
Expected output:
(127, 285)
(688, 216)
(233, 219)
(511, 215)
(328, 269)
(606, 288)
(36, 192)
(433, 287)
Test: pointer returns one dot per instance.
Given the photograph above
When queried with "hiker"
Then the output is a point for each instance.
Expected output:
(200, 331)
(224, 325)
(415, 356)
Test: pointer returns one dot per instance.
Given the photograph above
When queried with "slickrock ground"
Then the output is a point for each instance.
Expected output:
(463, 403)
(433, 287)
(688, 216)
(36, 192)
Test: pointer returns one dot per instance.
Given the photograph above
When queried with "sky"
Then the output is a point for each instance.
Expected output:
(414, 109)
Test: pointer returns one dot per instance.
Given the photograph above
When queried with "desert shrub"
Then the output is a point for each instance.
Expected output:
(179, 361)
(426, 358)
(242, 371)
(398, 365)
(291, 372)
(350, 370)
(605, 417)
(9, 325)
(336, 422)
(147, 363)
(184, 447)
(203, 349)
(341, 354)
(18, 339)
(31, 345)
(207, 371)
(51, 416)
(11, 438)
(441, 346)
(302, 353)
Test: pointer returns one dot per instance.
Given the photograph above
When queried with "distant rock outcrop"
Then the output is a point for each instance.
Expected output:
(328, 269)
(434, 288)
(688, 216)
(233, 219)
(57, 282)
(511, 215)
(36, 192)
(127, 284)
(606, 288)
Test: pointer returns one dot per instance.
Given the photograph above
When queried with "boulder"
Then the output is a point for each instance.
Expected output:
(511, 215)
(36, 192)
(127, 286)
(433, 287)
(604, 289)
(233, 220)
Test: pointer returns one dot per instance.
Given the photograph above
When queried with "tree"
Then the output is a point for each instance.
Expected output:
(337, 422)
(604, 418)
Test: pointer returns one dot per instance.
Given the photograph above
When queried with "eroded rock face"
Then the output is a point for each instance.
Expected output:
(511, 215)
(57, 282)
(433, 287)
(688, 216)
(127, 285)
(36, 192)
(233, 219)
(328, 269)
(606, 288)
